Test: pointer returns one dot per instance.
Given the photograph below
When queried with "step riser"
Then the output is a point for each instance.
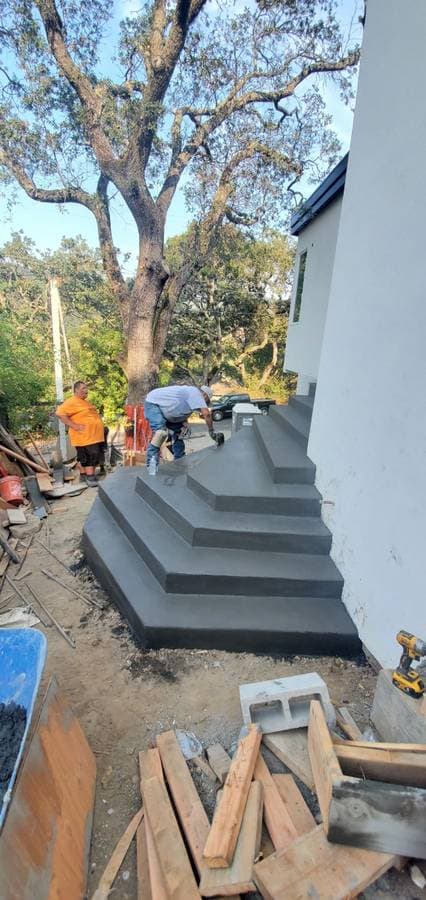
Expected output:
(291, 430)
(301, 407)
(184, 583)
(177, 583)
(284, 474)
(171, 515)
(137, 543)
(267, 543)
(279, 506)
(232, 540)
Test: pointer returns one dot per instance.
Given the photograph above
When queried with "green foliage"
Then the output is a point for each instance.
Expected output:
(24, 378)
(27, 394)
(95, 351)
(231, 319)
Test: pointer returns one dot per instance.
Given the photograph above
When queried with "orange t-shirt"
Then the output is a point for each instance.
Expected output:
(82, 413)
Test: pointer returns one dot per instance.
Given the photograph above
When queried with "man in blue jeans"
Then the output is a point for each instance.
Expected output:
(167, 408)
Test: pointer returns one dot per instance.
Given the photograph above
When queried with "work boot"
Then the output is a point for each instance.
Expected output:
(92, 481)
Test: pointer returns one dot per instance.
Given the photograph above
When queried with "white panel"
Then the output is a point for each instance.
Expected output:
(304, 338)
(368, 434)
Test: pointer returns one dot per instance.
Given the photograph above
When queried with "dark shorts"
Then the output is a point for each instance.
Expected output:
(92, 455)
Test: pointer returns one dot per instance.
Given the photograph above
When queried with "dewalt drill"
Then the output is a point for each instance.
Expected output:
(404, 677)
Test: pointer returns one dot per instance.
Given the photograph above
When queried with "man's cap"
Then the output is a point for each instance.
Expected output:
(206, 390)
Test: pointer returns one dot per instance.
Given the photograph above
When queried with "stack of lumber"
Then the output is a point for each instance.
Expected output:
(263, 835)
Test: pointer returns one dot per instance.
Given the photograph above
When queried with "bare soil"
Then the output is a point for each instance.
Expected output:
(125, 695)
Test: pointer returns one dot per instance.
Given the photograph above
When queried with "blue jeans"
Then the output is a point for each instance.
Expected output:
(156, 418)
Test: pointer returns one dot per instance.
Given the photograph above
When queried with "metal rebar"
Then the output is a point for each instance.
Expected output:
(88, 600)
(24, 556)
(48, 550)
(50, 616)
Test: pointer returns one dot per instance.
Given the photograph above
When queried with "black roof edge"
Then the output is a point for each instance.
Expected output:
(320, 199)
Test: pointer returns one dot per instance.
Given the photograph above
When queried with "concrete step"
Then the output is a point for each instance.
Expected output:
(264, 624)
(235, 478)
(304, 404)
(293, 422)
(179, 568)
(202, 526)
(286, 460)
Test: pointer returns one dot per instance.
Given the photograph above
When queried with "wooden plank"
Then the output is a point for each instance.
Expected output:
(291, 748)
(205, 768)
(44, 844)
(223, 835)
(150, 766)
(380, 817)
(312, 867)
(113, 866)
(172, 855)
(219, 761)
(277, 819)
(396, 716)
(348, 724)
(192, 816)
(44, 481)
(238, 877)
(142, 864)
(382, 745)
(383, 765)
(296, 805)
(325, 766)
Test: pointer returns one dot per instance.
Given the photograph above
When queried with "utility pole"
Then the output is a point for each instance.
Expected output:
(55, 305)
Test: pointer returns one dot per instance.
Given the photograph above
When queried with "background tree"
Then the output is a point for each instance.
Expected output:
(231, 318)
(92, 326)
(231, 101)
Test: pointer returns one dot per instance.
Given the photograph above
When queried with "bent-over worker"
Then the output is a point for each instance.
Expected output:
(167, 408)
(86, 431)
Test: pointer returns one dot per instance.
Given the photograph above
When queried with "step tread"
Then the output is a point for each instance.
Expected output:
(237, 469)
(200, 515)
(175, 556)
(283, 451)
(256, 623)
(291, 415)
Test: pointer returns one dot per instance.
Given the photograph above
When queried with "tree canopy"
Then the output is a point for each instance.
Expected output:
(228, 99)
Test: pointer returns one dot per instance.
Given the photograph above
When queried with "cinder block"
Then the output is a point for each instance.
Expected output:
(284, 703)
(396, 716)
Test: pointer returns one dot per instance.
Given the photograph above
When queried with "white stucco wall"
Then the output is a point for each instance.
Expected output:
(368, 435)
(304, 338)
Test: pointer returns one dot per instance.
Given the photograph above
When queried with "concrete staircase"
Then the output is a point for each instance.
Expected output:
(225, 548)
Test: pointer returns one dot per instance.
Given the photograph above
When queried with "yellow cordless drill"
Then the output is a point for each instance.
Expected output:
(404, 677)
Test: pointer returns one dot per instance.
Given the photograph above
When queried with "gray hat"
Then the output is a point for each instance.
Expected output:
(206, 390)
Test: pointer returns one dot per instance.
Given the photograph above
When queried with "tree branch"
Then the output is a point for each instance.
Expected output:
(90, 98)
(235, 102)
(67, 194)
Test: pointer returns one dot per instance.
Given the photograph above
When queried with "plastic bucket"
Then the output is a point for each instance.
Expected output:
(11, 490)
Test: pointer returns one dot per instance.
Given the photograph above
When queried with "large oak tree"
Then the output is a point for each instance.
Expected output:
(226, 101)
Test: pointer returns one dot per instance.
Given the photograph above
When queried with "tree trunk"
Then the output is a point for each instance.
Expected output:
(271, 365)
(143, 361)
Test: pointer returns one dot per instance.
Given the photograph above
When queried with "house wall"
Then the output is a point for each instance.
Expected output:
(304, 338)
(368, 434)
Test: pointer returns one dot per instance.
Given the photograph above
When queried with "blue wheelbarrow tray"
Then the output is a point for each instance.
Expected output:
(22, 659)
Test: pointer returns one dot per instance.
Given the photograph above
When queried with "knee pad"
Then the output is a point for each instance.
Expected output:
(159, 437)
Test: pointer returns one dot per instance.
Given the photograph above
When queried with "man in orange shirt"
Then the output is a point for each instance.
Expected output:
(86, 431)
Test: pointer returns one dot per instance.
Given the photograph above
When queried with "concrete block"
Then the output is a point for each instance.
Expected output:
(396, 716)
(284, 703)
(243, 415)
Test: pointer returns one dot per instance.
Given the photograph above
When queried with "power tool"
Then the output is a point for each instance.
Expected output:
(217, 436)
(404, 677)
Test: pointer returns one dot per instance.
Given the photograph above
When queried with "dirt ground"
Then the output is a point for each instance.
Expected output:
(125, 695)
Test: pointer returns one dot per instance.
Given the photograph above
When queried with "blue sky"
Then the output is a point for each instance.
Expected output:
(46, 224)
